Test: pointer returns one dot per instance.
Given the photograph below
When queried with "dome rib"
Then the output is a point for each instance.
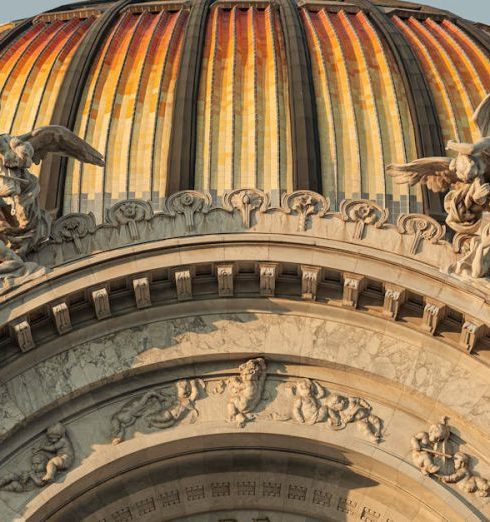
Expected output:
(304, 124)
(53, 171)
(182, 156)
(427, 128)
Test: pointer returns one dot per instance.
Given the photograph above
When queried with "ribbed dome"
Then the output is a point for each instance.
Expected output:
(226, 94)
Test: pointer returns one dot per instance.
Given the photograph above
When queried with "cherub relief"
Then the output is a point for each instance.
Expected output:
(245, 391)
(464, 477)
(345, 410)
(308, 406)
(54, 455)
(159, 409)
(467, 176)
(312, 404)
(431, 454)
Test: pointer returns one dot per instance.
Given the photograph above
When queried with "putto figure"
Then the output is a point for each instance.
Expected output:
(159, 409)
(23, 224)
(245, 391)
(434, 454)
(56, 454)
(467, 175)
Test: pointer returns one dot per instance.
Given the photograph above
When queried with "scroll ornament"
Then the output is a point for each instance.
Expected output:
(305, 203)
(53, 456)
(436, 455)
(247, 202)
(188, 203)
(128, 213)
(363, 212)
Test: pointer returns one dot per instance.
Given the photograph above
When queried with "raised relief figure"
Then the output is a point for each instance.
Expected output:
(432, 454)
(427, 447)
(23, 224)
(312, 404)
(346, 410)
(308, 406)
(467, 176)
(245, 391)
(159, 409)
(56, 454)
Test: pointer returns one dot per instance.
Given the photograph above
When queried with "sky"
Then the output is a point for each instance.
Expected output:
(477, 10)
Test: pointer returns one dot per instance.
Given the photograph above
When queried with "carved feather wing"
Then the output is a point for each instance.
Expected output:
(482, 116)
(433, 172)
(63, 142)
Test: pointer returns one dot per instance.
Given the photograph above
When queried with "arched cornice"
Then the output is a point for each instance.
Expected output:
(52, 177)
(304, 126)
(182, 150)
(426, 125)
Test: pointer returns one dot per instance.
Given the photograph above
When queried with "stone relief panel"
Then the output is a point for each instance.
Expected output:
(363, 213)
(305, 203)
(249, 396)
(158, 409)
(311, 403)
(53, 456)
(436, 453)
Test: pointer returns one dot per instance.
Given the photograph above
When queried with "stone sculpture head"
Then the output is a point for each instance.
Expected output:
(439, 432)
(14, 153)
(461, 460)
(55, 432)
(252, 370)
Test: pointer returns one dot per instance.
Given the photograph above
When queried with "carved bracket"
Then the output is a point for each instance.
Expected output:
(305, 203)
(363, 212)
(422, 227)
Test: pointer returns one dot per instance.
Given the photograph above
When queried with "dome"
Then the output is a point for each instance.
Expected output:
(220, 95)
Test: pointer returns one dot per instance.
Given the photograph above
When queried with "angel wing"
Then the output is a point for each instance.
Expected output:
(482, 116)
(434, 172)
(63, 142)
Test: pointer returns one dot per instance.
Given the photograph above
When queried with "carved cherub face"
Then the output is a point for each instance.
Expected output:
(15, 153)
(460, 460)
(251, 370)
(438, 432)
(55, 432)
(304, 388)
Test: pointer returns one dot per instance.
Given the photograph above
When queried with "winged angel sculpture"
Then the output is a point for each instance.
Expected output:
(23, 224)
(467, 176)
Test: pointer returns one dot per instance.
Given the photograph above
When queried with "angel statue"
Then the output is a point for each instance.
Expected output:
(22, 223)
(467, 175)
